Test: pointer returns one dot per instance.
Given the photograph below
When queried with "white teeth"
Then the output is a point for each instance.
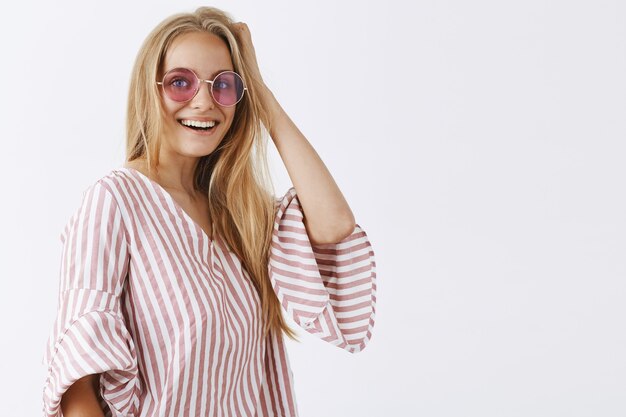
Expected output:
(196, 123)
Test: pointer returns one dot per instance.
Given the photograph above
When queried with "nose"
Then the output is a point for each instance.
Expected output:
(203, 99)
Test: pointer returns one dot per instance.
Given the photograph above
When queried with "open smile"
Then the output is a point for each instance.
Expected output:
(199, 126)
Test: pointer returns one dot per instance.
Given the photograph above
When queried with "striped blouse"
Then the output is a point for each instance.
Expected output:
(170, 319)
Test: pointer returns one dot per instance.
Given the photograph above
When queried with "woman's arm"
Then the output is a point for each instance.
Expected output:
(81, 399)
(328, 217)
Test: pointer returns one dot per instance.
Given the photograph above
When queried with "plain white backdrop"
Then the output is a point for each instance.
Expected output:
(481, 145)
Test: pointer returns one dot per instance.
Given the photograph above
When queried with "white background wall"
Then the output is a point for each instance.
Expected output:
(480, 144)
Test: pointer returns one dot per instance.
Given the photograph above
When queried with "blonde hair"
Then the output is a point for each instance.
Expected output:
(235, 176)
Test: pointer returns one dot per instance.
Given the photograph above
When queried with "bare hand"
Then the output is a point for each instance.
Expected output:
(244, 38)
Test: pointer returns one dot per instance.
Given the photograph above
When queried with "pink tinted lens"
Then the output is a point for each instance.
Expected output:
(227, 88)
(180, 84)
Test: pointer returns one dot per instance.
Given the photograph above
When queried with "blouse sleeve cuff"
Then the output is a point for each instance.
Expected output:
(328, 290)
(96, 342)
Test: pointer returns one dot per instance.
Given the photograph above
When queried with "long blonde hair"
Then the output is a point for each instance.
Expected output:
(235, 176)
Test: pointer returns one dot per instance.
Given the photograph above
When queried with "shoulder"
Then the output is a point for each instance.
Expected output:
(103, 199)
(115, 183)
(116, 180)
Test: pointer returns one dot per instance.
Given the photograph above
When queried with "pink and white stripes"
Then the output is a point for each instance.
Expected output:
(170, 319)
(329, 290)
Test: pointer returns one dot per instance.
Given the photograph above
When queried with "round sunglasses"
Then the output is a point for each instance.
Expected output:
(182, 84)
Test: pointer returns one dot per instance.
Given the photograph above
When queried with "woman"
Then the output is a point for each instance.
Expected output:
(176, 266)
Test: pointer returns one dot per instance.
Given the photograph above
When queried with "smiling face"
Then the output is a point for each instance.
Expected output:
(187, 127)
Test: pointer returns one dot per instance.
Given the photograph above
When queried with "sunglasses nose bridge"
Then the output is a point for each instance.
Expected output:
(209, 86)
(209, 91)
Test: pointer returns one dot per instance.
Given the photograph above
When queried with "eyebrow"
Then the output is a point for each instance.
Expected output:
(196, 72)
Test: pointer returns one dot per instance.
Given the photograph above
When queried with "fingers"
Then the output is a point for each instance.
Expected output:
(242, 33)
(240, 27)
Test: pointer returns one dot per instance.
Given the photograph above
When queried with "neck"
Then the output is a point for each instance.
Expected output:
(172, 175)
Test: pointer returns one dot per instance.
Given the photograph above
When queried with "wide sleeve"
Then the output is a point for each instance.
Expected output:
(328, 290)
(90, 335)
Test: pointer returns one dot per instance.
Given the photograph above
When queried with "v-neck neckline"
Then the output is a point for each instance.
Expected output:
(177, 206)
